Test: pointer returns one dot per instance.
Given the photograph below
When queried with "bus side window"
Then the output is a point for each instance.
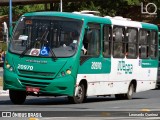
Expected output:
(93, 45)
(91, 40)
(85, 43)
(153, 44)
(144, 36)
(118, 42)
(131, 46)
(107, 41)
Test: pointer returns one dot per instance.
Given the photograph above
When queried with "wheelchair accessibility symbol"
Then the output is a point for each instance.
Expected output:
(44, 51)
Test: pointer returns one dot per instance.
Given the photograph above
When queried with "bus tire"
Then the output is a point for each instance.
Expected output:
(17, 97)
(130, 92)
(119, 96)
(80, 97)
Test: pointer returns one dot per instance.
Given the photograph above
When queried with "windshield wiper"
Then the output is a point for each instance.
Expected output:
(29, 47)
(42, 41)
(52, 53)
(50, 49)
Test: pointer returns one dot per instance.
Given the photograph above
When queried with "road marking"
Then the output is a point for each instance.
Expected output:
(145, 110)
(33, 119)
(153, 118)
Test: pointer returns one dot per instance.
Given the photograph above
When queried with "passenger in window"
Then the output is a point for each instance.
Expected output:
(118, 50)
(85, 45)
(84, 50)
(106, 48)
(70, 41)
(74, 41)
(118, 34)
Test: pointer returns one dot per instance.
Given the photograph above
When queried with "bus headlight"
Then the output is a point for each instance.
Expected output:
(65, 72)
(8, 66)
(68, 71)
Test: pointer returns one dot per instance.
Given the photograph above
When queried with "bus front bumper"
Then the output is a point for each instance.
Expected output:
(57, 87)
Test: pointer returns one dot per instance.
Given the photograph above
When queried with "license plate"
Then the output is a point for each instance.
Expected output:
(32, 89)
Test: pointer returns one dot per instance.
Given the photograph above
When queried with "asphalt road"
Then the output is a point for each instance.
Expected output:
(145, 104)
(101, 108)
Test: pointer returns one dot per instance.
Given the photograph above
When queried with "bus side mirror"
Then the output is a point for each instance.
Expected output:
(5, 31)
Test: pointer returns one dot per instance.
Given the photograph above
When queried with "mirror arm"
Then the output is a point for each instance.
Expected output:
(5, 33)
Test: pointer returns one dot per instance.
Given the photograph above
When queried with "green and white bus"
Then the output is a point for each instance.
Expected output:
(80, 55)
(158, 79)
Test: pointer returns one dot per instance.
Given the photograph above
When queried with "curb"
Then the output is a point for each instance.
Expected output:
(4, 92)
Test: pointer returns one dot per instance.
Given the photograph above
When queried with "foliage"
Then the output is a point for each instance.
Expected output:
(106, 7)
(133, 2)
(4, 10)
(126, 8)
(18, 10)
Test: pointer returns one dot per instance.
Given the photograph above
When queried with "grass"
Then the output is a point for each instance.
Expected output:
(1, 81)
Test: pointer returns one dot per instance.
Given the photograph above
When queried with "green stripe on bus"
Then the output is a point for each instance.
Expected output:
(149, 26)
(149, 63)
(96, 66)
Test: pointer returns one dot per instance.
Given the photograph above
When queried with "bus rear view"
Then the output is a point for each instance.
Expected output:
(41, 57)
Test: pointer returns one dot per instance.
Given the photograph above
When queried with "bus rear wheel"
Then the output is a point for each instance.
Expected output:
(17, 97)
(128, 95)
(120, 96)
(130, 92)
(80, 97)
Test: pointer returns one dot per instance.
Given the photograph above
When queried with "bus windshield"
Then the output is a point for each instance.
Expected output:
(46, 36)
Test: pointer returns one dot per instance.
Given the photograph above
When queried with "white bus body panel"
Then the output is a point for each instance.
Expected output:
(118, 81)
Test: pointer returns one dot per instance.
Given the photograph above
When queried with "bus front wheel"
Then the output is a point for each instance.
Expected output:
(17, 97)
(80, 97)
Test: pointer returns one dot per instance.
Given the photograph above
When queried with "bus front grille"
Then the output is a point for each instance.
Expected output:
(36, 74)
(34, 83)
